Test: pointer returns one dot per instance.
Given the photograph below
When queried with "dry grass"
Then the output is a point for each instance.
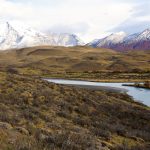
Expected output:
(76, 59)
(35, 114)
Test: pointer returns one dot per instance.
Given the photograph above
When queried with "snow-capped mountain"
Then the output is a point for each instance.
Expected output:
(110, 40)
(139, 41)
(113, 39)
(145, 35)
(13, 37)
(130, 37)
(19, 37)
(94, 43)
(64, 39)
(122, 41)
(9, 37)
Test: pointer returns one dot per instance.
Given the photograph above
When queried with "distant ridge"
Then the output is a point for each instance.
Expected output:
(121, 41)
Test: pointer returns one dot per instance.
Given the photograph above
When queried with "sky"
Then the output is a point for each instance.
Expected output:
(89, 19)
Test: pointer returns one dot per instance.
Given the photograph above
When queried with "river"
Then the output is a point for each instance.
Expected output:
(138, 94)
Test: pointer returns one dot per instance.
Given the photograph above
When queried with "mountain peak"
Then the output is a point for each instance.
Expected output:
(121, 33)
(8, 25)
(116, 35)
(5, 24)
(5, 27)
(66, 39)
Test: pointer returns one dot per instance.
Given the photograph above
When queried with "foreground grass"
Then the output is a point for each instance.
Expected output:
(37, 115)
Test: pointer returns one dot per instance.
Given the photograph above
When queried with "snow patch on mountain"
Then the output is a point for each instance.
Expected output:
(144, 36)
(112, 39)
(9, 37)
(65, 39)
(130, 37)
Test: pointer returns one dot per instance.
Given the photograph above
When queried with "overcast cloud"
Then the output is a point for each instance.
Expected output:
(89, 19)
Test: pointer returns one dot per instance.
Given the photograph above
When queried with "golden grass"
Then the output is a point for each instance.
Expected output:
(76, 59)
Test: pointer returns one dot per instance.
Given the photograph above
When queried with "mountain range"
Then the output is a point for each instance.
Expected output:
(16, 37)
(121, 41)
(11, 37)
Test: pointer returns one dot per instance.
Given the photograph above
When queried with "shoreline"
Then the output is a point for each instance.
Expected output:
(98, 80)
(136, 86)
(105, 88)
(96, 87)
(91, 87)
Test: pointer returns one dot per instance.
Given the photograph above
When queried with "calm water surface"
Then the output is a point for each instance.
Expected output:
(139, 94)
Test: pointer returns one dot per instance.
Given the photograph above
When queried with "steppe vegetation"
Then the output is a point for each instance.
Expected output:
(79, 63)
(145, 85)
(37, 115)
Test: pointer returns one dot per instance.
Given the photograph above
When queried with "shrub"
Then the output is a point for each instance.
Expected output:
(102, 133)
(12, 70)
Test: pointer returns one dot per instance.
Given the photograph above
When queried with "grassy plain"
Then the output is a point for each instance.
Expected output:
(79, 63)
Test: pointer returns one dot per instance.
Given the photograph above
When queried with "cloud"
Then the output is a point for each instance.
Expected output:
(77, 28)
(9, 10)
(130, 26)
(138, 21)
(141, 9)
(88, 19)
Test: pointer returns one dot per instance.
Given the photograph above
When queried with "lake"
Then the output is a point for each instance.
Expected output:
(138, 94)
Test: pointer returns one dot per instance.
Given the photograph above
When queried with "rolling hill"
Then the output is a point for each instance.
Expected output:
(78, 60)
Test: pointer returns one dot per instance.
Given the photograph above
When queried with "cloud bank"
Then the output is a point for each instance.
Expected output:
(88, 19)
